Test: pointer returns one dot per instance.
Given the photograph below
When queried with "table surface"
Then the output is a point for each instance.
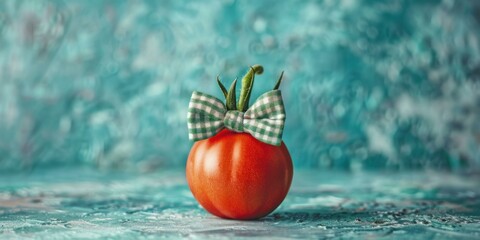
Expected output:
(82, 203)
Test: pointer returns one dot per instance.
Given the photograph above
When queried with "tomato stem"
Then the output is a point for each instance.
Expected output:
(247, 85)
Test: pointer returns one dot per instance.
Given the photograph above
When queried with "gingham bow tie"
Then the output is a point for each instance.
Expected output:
(264, 120)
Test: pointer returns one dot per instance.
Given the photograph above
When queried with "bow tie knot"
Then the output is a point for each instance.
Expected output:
(234, 120)
(264, 120)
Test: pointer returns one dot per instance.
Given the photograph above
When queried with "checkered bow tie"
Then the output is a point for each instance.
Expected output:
(264, 120)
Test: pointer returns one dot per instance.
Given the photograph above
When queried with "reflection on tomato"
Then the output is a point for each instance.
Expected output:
(233, 175)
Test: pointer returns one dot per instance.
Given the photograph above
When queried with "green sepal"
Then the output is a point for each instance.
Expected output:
(278, 82)
(232, 97)
(222, 87)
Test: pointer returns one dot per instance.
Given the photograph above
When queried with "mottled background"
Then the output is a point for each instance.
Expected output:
(369, 84)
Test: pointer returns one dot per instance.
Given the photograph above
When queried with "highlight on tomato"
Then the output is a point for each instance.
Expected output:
(238, 167)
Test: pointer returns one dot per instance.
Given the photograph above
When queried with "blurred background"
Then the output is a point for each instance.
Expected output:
(369, 85)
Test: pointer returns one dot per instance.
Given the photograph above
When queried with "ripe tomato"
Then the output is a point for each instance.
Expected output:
(233, 175)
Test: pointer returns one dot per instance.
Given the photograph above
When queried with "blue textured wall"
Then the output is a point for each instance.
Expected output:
(369, 84)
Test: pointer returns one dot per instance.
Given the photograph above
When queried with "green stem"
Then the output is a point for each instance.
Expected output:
(247, 85)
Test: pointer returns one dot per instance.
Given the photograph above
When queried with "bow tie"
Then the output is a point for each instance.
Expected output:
(264, 120)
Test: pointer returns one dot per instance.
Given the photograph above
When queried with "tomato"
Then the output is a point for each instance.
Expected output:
(233, 175)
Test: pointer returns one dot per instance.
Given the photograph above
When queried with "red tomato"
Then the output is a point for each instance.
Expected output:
(233, 175)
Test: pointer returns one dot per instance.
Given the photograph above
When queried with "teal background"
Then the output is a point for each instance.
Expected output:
(382, 101)
(369, 85)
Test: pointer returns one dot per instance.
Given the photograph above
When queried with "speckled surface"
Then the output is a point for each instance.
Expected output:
(87, 204)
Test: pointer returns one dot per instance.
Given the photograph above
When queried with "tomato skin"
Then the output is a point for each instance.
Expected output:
(233, 175)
